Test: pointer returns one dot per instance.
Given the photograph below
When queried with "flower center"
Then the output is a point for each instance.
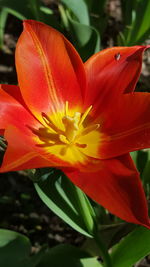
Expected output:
(72, 126)
(65, 131)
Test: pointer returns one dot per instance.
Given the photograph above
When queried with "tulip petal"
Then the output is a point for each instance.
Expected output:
(50, 71)
(126, 126)
(111, 72)
(20, 154)
(11, 111)
(117, 187)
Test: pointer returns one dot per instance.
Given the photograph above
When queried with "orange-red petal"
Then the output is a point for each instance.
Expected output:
(126, 125)
(117, 187)
(12, 112)
(20, 154)
(49, 69)
(111, 72)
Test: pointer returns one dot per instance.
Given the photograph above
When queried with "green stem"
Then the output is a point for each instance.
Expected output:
(103, 250)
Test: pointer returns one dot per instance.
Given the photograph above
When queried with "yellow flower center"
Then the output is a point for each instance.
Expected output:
(66, 137)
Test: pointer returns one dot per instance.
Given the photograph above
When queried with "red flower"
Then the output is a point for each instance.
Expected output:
(82, 118)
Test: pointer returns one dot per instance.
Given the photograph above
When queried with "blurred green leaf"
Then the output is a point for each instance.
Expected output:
(3, 19)
(90, 262)
(85, 37)
(140, 158)
(98, 14)
(66, 200)
(67, 255)
(46, 10)
(14, 249)
(111, 234)
(30, 9)
(132, 248)
(146, 171)
(17, 8)
(141, 25)
(79, 9)
(137, 22)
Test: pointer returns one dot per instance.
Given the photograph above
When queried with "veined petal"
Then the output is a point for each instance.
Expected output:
(13, 112)
(117, 187)
(111, 72)
(126, 125)
(19, 154)
(50, 71)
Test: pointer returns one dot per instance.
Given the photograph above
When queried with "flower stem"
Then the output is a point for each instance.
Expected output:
(103, 251)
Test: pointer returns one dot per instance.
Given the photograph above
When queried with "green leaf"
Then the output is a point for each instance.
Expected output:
(137, 23)
(17, 8)
(14, 249)
(86, 38)
(46, 10)
(98, 14)
(79, 9)
(29, 9)
(146, 173)
(141, 26)
(132, 248)
(3, 19)
(67, 255)
(66, 200)
(140, 158)
(90, 262)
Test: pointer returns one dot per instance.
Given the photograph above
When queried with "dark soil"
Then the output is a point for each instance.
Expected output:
(22, 210)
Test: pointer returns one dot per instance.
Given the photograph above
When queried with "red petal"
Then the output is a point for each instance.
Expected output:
(49, 69)
(117, 187)
(126, 125)
(14, 91)
(11, 111)
(111, 72)
(20, 154)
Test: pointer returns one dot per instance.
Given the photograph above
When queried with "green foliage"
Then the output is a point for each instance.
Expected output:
(67, 255)
(86, 38)
(66, 200)
(98, 15)
(132, 248)
(3, 19)
(15, 251)
(136, 21)
(25, 9)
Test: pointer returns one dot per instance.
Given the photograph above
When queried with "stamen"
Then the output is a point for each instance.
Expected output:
(90, 129)
(63, 151)
(63, 139)
(66, 108)
(81, 145)
(85, 115)
(45, 118)
(50, 123)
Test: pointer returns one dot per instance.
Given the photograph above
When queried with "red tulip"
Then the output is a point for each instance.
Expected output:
(81, 118)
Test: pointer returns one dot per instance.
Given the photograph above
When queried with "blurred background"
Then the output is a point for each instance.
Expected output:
(91, 25)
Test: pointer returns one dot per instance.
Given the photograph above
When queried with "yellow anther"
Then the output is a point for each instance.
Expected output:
(63, 139)
(81, 145)
(85, 115)
(90, 129)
